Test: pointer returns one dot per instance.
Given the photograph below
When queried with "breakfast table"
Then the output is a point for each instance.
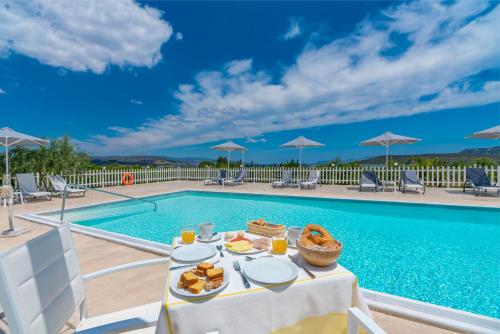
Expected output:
(304, 305)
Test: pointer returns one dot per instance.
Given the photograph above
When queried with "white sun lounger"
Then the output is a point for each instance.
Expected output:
(369, 180)
(312, 180)
(240, 179)
(41, 285)
(27, 184)
(478, 180)
(286, 179)
(59, 183)
(410, 181)
(218, 180)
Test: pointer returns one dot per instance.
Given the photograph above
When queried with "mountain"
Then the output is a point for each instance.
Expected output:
(467, 155)
(148, 160)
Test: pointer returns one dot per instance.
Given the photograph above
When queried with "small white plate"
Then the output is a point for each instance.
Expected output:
(271, 270)
(193, 253)
(214, 238)
(176, 275)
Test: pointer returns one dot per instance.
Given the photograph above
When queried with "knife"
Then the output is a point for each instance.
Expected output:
(190, 265)
(294, 260)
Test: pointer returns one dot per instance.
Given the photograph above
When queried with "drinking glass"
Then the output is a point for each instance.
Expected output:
(280, 245)
(188, 234)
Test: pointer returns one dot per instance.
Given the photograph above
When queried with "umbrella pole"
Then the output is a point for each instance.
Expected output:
(300, 157)
(228, 158)
(243, 158)
(386, 156)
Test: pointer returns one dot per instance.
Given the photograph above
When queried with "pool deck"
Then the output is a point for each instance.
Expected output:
(147, 285)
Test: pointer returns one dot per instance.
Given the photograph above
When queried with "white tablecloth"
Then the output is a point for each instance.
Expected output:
(304, 306)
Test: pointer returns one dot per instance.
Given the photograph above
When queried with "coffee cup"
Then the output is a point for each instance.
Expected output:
(294, 233)
(206, 230)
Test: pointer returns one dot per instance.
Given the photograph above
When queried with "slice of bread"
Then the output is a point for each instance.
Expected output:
(215, 273)
(197, 287)
(188, 278)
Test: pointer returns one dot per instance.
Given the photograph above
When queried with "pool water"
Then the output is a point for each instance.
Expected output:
(443, 255)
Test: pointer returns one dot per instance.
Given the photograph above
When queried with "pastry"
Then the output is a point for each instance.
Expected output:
(215, 273)
(204, 266)
(323, 239)
(188, 278)
(228, 235)
(197, 287)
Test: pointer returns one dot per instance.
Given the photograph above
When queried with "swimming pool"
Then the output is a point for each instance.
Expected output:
(444, 255)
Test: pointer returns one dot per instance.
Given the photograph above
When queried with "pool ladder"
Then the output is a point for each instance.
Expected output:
(65, 194)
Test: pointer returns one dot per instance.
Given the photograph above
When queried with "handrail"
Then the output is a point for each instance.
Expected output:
(65, 194)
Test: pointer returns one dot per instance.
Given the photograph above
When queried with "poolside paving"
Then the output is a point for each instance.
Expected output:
(146, 285)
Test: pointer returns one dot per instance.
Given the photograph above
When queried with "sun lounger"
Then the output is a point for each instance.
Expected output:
(286, 179)
(59, 184)
(410, 181)
(369, 180)
(218, 180)
(312, 180)
(240, 179)
(27, 184)
(42, 286)
(478, 180)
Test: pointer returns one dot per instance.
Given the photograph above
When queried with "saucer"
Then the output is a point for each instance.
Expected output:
(214, 238)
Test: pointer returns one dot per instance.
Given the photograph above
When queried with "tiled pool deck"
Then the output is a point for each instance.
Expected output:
(147, 285)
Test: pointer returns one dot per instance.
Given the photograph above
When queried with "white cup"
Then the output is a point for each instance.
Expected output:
(294, 233)
(206, 230)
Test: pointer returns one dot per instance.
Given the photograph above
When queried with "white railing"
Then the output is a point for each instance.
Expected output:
(434, 176)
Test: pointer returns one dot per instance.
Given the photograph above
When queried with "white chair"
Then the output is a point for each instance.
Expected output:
(357, 320)
(41, 286)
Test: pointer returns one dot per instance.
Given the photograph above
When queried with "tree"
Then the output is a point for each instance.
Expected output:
(59, 157)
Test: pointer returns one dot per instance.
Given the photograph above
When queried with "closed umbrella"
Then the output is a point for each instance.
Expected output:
(230, 147)
(10, 138)
(301, 143)
(491, 133)
(388, 139)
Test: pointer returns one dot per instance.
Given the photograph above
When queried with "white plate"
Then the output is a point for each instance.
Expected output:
(214, 238)
(193, 253)
(271, 270)
(175, 276)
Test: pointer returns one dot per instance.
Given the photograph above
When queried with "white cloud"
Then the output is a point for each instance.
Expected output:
(139, 102)
(2, 92)
(344, 81)
(255, 140)
(83, 35)
(179, 36)
(294, 29)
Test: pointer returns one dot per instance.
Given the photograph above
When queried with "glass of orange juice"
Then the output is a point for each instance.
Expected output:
(188, 234)
(279, 245)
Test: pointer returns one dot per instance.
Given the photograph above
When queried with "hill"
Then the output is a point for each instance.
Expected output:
(147, 160)
(467, 155)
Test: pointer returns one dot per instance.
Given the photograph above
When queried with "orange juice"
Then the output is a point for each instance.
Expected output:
(188, 236)
(279, 245)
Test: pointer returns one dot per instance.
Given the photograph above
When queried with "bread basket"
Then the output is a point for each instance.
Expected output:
(320, 257)
(264, 229)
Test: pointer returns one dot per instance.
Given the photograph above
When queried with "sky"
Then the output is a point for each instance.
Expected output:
(174, 78)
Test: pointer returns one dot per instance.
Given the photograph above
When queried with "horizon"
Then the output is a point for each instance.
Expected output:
(175, 78)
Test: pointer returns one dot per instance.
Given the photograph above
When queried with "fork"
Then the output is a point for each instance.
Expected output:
(237, 267)
(219, 248)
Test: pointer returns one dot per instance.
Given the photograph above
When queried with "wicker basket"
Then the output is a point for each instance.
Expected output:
(320, 257)
(266, 230)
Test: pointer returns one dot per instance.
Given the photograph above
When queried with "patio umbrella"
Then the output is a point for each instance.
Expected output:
(301, 143)
(9, 137)
(388, 139)
(230, 147)
(491, 133)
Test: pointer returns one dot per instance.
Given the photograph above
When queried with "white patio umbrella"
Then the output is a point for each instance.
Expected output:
(491, 133)
(10, 138)
(388, 139)
(230, 147)
(301, 143)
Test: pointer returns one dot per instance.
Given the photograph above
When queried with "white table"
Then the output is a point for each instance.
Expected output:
(304, 306)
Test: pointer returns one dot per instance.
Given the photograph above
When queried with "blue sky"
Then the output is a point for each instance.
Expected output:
(174, 78)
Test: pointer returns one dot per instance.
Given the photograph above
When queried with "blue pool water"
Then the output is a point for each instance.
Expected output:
(444, 255)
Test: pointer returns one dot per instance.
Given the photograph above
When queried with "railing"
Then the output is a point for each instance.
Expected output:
(65, 195)
(434, 176)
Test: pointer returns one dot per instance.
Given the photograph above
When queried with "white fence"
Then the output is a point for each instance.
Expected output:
(436, 176)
